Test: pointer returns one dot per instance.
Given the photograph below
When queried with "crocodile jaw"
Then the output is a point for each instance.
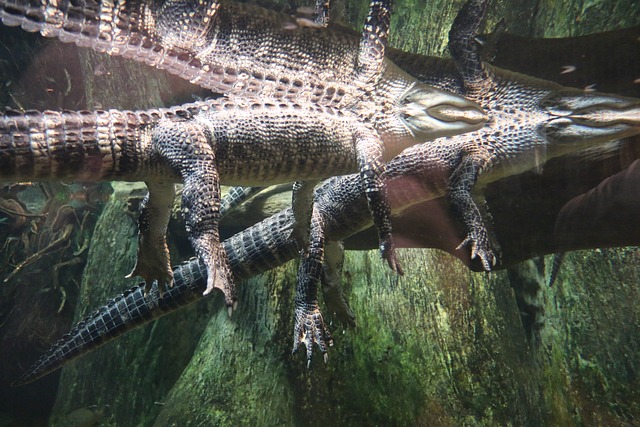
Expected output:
(579, 117)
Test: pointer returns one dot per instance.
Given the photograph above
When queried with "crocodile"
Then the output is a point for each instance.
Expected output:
(421, 172)
(530, 121)
(260, 248)
(239, 138)
(412, 177)
(228, 47)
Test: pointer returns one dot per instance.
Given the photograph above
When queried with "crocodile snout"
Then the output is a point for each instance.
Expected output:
(582, 117)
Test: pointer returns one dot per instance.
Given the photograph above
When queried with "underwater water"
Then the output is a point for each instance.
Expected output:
(443, 345)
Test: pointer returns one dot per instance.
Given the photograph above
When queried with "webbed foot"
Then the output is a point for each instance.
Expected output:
(153, 264)
(309, 330)
(211, 252)
(153, 260)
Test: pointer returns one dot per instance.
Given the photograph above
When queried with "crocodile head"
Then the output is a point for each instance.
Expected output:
(584, 117)
(428, 113)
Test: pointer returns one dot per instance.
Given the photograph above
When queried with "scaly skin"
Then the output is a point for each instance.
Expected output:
(530, 121)
(523, 111)
(413, 177)
(258, 139)
(220, 45)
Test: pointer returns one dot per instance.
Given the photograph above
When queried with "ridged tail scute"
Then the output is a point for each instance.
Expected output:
(262, 248)
(81, 145)
(123, 313)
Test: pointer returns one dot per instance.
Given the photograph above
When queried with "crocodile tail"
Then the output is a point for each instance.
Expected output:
(121, 314)
(134, 29)
(81, 145)
(258, 249)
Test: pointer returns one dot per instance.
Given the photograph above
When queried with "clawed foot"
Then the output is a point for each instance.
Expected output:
(151, 265)
(217, 278)
(218, 271)
(388, 252)
(337, 304)
(310, 329)
(478, 241)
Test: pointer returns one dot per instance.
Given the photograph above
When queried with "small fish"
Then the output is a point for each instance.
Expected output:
(566, 69)
(305, 22)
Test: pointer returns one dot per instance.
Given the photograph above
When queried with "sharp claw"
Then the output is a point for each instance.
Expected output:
(326, 358)
(230, 311)
(310, 331)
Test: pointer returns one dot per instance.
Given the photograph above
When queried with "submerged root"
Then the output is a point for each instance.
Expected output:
(52, 247)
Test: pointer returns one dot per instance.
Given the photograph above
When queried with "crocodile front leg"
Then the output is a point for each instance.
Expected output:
(478, 83)
(153, 261)
(369, 147)
(321, 264)
(186, 147)
(478, 237)
(464, 49)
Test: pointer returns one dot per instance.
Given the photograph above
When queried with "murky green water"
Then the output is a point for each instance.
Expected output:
(441, 345)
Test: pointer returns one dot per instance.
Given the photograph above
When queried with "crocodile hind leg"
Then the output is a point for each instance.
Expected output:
(186, 147)
(478, 83)
(370, 64)
(309, 326)
(321, 264)
(153, 261)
